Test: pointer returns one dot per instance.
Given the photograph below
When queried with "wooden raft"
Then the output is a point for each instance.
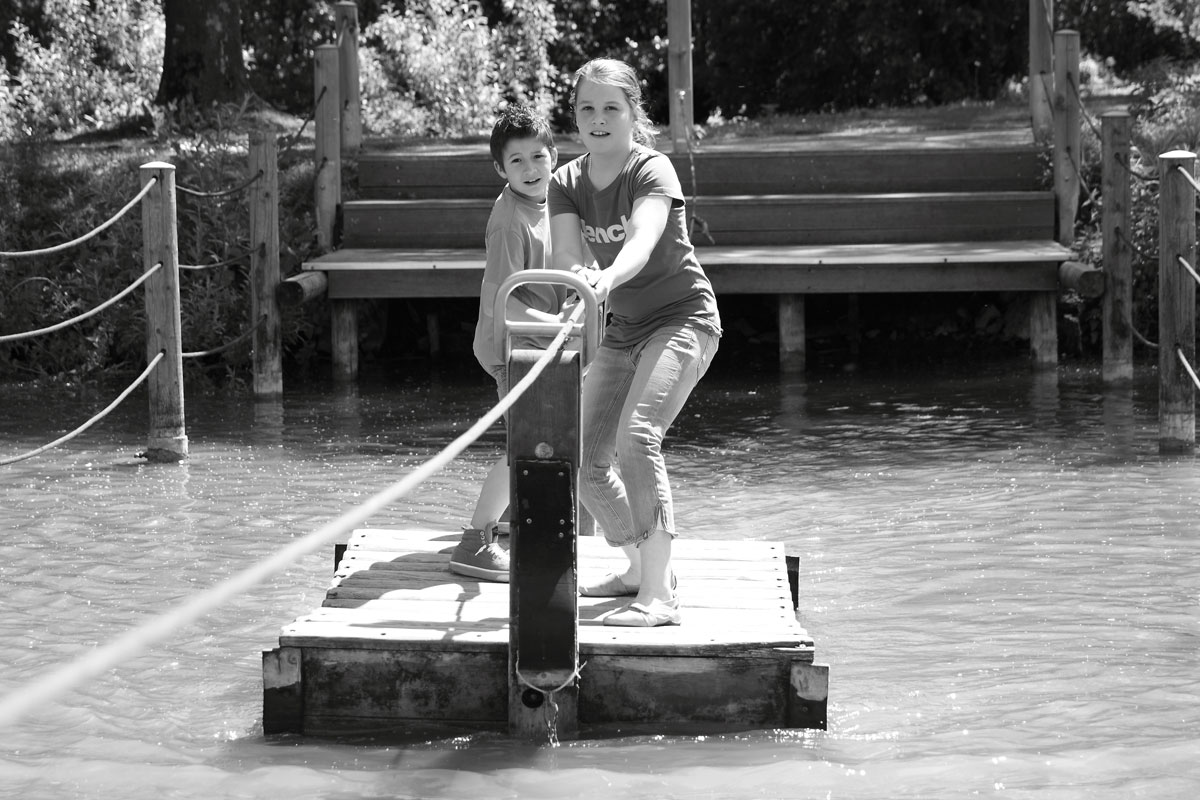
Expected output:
(402, 645)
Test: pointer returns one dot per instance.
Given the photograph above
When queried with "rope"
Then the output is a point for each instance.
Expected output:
(295, 138)
(1130, 244)
(50, 685)
(695, 221)
(1137, 335)
(138, 382)
(1186, 366)
(224, 193)
(66, 245)
(12, 337)
(227, 262)
(230, 344)
(1188, 177)
(1183, 262)
(548, 692)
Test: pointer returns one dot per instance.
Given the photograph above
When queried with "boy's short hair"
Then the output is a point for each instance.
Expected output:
(518, 122)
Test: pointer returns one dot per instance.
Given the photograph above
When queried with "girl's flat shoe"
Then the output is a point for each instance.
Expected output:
(610, 585)
(651, 615)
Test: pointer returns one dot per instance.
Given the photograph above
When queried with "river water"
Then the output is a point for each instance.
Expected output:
(1000, 569)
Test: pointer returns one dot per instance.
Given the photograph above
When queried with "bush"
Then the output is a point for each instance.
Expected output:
(95, 69)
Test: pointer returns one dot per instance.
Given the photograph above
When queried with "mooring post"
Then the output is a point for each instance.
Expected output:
(1117, 305)
(1041, 67)
(1176, 302)
(1067, 160)
(327, 187)
(544, 456)
(792, 354)
(681, 112)
(168, 436)
(345, 15)
(264, 267)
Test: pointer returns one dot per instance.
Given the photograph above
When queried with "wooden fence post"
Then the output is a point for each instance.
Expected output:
(168, 436)
(1067, 158)
(1176, 303)
(327, 104)
(1041, 67)
(264, 266)
(1117, 259)
(346, 17)
(679, 72)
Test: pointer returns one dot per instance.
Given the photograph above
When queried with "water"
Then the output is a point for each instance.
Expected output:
(1002, 572)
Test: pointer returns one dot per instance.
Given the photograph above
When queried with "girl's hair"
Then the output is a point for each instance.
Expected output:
(610, 72)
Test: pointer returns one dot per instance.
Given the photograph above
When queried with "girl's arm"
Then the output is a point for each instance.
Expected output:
(566, 251)
(646, 225)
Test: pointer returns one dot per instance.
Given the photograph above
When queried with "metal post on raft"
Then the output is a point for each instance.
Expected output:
(544, 455)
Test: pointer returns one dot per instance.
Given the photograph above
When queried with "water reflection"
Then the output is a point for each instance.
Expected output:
(998, 565)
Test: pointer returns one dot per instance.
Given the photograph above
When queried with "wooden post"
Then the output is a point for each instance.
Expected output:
(808, 698)
(264, 267)
(1117, 259)
(168, 436)
(346, 18)
(1043, 329)
(296, 290)
(544, 453)
(1041, 68)
(792, 355)
(1067, 116)
(679, 72)
(328, 183)
(344, 333)
(283, 695)
(1176, 303)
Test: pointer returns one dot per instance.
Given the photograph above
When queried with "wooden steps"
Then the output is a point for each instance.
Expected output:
(766, 219)
(400, 644)
(467, 173)
(955, 211)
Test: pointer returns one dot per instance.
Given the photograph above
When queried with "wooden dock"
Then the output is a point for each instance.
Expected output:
(402, 645)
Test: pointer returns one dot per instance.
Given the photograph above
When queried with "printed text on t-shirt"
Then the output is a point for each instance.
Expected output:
(613, 233)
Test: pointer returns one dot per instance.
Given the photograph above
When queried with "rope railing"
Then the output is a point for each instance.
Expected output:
(242, 256)
(1187, 176)
(232, 343)
(58, 248)
(1188, 268)
(241, 187)
(12, 337)
(101, 415)
(1183, 362)
(55, 683)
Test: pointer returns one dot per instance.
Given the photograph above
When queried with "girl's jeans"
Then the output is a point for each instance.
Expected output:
(630, 398)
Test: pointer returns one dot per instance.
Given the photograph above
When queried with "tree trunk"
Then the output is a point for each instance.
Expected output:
(202, 58)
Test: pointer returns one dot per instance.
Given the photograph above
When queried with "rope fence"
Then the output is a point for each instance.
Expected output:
(58, 248)
(241, 187)
(101, 415)
(230, 344)
(12, 337)
(53, 684)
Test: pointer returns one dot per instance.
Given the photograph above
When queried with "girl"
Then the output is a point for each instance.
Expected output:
(622, 202)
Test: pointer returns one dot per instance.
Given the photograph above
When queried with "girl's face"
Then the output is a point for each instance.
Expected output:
(604, 117)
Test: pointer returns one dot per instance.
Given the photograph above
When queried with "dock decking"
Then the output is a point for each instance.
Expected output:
(400, 644)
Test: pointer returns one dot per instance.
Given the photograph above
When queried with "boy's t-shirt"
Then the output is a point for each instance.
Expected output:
(517, 238)
(672, 287)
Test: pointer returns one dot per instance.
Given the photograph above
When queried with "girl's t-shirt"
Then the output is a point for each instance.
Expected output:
(672, 287)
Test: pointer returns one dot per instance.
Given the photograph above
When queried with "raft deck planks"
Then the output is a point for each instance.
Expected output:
(402, 644)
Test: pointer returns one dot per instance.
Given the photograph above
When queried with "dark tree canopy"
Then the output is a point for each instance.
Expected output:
(202, 56)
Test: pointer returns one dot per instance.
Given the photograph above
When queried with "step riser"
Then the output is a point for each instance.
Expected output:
(384, 177)
(745, 220)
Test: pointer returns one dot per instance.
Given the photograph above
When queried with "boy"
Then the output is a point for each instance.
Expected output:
(518, 237)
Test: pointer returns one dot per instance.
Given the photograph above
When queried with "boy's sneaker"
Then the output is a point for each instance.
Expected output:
(479, 556)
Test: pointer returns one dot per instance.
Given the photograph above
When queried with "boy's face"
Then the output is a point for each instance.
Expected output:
(526, 165)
